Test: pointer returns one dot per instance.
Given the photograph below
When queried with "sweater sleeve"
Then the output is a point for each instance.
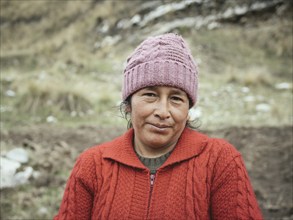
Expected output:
(232, 195)
(79, 191)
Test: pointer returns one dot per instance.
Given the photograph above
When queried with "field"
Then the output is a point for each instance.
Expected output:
(61, 90)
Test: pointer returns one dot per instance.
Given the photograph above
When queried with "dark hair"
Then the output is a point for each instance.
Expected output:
(124, 110)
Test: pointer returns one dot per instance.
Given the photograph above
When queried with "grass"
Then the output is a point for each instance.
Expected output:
(253, 77)
(237, 103)
(38, 98)
(27, 202)
(55, 70)
(228, 61)
(237, 66)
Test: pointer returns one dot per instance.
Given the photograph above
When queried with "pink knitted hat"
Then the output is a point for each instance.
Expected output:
(163, 60)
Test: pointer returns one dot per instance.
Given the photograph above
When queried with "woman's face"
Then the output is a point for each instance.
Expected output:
(159, 115)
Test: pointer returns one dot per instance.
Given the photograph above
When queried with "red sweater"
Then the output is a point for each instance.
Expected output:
(202, 179)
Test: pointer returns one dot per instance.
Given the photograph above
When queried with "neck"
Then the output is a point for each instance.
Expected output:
(151, 152)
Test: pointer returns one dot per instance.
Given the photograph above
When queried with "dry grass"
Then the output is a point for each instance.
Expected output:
(252, 77)
(63, 30)
(237, 64)
(62, 42)
(51, 98)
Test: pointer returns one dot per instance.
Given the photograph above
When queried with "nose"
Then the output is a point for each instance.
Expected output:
(162, 110)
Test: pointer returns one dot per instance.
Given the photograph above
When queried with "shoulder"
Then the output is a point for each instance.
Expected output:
(96, 151)
(91, 160)
(215, 146)
(223, 148)
(217, 152)
(223, 159)
(105, 149)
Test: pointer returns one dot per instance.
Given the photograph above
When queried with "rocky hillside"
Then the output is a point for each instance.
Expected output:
(61, 65)
(62, 49)
(40, 32)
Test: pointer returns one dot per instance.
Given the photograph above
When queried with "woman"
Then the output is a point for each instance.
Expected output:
(160, 168)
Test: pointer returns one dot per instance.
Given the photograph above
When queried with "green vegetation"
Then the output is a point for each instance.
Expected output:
(53, 72)
(26, 207)
(78, 87)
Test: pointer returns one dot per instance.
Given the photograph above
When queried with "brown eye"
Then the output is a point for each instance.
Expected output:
(177, 98)
(149, 94)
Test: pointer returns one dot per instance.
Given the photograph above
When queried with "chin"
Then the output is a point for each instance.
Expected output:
(155, 143)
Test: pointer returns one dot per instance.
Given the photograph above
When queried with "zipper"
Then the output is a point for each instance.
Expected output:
(152, 181)
(153, 175)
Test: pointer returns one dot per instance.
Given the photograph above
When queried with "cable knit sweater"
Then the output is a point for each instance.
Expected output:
(203, 178)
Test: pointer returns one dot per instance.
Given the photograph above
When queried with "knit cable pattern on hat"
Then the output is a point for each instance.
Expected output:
(163, 60)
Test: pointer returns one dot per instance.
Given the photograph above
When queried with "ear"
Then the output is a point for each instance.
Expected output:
(128, 109)
(188, 117)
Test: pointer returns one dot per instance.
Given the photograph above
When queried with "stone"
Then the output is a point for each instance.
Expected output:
(8, 169)
(283, 86)
(23, 176)
(18, 154)
(263, 107)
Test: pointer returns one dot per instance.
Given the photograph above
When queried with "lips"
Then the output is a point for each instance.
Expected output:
(160, 126)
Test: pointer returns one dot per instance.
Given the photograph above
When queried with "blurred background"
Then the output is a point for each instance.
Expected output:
(61, 76)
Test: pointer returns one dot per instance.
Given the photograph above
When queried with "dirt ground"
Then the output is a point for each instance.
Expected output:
(267, 152)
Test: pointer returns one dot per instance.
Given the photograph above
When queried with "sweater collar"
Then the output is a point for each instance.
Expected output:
(191, 143)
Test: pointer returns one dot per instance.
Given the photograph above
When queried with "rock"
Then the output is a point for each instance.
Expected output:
(9, 165)
(127, 23)
(51, 119)
(249, 98)
(263, 107)
(36, 174)
(135, 19)
(210, 21)
(9, 177)
(283, 86)
(165, 9)
(43, 211)
(6, 108)
(124, 24)
(23, 176)
(10, 93)
(110, 40)
(105, 28)
(18, 154)
(8, 169)
(245, 89)
(213, 25)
